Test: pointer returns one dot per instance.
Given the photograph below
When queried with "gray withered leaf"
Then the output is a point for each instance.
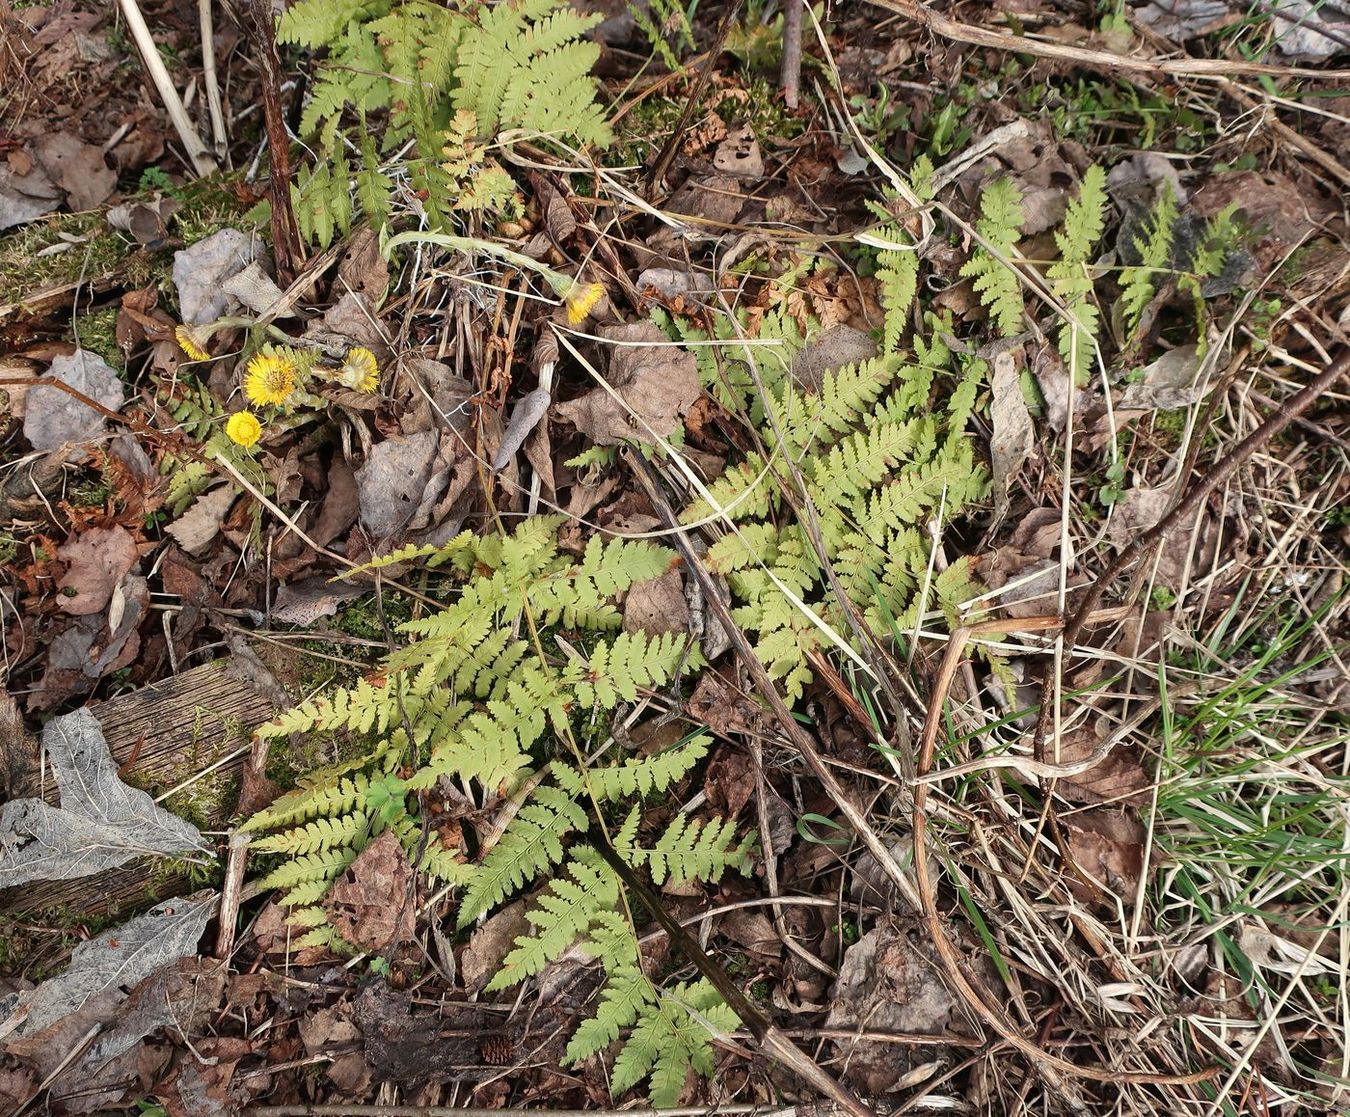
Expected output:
(103, 968)
(101, 822)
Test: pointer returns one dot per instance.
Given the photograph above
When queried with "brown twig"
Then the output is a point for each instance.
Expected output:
(1209, 68)
(286, 246)
(791, 75)
(1285, 414)
(666, 157)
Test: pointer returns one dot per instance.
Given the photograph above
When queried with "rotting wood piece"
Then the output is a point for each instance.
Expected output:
(162, 736)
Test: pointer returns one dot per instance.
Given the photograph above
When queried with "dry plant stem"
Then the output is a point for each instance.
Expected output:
(202, 162)
(1050, 1066)
(139, 427)
(1328, 163)
(672, 145)
(791, 77)
(285, 233)
(1285, 414)
(210, 80)
(1209, 68)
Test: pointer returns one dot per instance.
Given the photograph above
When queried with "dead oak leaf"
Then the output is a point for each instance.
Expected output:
(651, 386)
(96, 562)
(370, 903)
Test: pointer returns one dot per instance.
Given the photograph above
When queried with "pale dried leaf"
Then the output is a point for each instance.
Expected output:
(306, 601)
(200, 270)
(1167, 384)
(1013, 433)
(101, 822)
(53, 418)
(119, 959)
(200, 524)
(394, 481)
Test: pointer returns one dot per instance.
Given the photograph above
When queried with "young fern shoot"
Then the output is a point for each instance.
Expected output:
(1071, 278)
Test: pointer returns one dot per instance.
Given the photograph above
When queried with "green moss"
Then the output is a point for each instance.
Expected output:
(83, 247)
(97, 332)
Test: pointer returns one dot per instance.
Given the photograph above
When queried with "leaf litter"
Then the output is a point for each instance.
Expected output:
(367, 473)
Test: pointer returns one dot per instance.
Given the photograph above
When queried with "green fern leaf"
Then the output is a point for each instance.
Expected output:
(561, 916)
(642, 776)
(1070, 278)
(530, 845)
(626, 995)
(995, 282)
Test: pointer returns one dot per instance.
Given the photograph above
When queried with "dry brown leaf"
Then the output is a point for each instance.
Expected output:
(490, 944)
(654, 382)
(362, 268)
(96, 561)
(1108, 845)
(200, 524)
(1118, 777)
(371, 903)
(657, 606)
(77, 167)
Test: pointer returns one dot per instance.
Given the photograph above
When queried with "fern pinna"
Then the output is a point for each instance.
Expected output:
(447, 76)
(484, 696)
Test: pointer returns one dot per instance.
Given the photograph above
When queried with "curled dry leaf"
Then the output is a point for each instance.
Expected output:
(371, 903)
(96, 561)
(101, 822)
(652, 386)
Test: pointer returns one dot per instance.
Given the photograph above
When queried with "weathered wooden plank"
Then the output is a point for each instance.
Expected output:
(164, 735)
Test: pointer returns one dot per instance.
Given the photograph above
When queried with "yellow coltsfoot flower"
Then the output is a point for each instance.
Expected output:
(243, 428)
(580, 300)
(270, 378)
(192, 341)
(360, 371)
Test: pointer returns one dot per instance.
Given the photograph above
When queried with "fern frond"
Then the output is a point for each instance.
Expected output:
(321, 834)
(745, 491)
(631, 660)
(668, 1041)
(691, 849)
(323, 867)
(1155, 251)
(530, 845)
(996, 283)
(626, 995)
(337, 797)
(1069, 276)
